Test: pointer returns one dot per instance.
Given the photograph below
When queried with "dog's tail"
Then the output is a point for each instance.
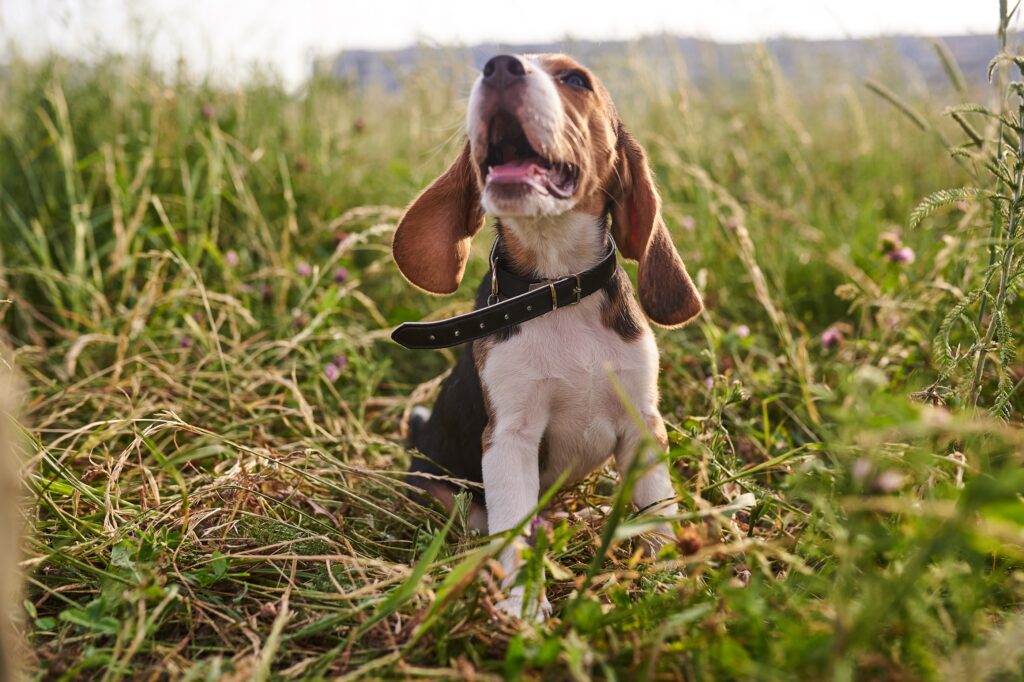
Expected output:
(417, 423)
(420, 463)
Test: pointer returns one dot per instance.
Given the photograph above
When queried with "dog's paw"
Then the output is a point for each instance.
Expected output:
(516, 606)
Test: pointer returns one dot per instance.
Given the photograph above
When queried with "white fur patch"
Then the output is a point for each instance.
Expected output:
(553, 379)
(562, 244)
(556, 380)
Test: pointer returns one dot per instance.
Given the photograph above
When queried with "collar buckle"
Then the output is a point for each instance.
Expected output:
(578, 290)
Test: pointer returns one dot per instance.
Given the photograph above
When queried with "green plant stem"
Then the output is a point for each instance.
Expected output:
(1006, 261)
(979, 367)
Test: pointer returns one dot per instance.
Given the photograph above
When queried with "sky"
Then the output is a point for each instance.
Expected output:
(222, 38)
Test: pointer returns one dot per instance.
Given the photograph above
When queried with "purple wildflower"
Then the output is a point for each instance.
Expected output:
(742, 331)
(831, 337)
(185, 342)
(231, 258)
(340, 275)
(208, 111)
(688, 223)
(304, 269)
(332, 372)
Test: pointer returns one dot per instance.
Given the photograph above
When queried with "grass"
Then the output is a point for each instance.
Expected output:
(198, 290)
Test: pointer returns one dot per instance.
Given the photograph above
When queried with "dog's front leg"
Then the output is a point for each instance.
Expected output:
(653, 490)
(511, 474)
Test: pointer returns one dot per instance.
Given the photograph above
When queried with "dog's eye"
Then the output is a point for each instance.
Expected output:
(576, 79)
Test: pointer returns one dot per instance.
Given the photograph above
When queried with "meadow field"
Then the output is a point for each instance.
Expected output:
(197, 286)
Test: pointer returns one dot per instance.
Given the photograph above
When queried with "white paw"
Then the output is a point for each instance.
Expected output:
(515, 606)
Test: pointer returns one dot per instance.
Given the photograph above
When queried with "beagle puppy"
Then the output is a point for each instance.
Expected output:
(538, 397)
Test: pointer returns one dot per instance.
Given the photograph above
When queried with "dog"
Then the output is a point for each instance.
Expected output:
(548, 157)
(10, 524)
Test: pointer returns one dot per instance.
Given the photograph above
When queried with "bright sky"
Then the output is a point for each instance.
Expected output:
(222, 36)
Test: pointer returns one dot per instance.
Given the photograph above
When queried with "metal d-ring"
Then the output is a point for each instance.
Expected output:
(492, 298)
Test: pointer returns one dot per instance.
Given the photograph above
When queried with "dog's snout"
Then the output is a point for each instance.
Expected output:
(504, 69)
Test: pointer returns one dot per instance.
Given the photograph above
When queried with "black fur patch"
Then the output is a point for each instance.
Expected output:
(451, 439)
(620, 312)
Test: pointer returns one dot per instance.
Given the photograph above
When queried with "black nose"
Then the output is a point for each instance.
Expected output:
(504, 69)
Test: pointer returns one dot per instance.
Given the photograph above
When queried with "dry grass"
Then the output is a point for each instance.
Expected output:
(184, 263)
(10, 519)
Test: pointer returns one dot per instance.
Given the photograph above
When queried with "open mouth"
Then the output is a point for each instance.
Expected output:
(514, 164)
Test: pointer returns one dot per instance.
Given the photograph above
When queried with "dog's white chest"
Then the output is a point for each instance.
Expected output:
(569, 371)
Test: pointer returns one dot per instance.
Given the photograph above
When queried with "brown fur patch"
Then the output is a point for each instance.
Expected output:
(589, 140)
(481, 348)
(520, 259)
(431, 244)
(666, 291)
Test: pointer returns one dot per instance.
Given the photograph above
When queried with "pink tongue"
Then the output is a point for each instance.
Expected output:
(516, 171)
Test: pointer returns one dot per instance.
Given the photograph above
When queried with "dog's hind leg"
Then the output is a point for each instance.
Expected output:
(424, 472)
(448, 440)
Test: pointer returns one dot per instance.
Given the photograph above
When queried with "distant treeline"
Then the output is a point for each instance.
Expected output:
(671, 58)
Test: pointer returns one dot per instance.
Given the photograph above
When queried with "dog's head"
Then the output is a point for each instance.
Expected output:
(544, 140)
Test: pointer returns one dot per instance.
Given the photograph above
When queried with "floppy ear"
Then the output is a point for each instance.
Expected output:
(667, 293)
(431, 244)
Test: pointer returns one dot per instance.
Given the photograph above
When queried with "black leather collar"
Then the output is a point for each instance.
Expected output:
(513, 300)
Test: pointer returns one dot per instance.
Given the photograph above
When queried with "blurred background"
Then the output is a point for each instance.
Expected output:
(226, 39)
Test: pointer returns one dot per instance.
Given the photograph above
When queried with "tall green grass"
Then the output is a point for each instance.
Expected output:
(199, 290)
